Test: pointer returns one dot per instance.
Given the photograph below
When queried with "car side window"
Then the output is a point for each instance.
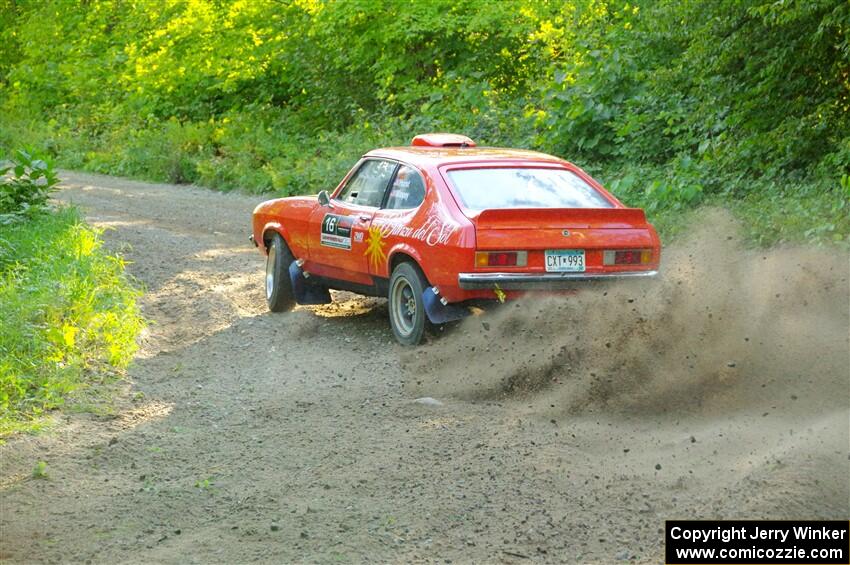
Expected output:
(369, 183)
(407, 190)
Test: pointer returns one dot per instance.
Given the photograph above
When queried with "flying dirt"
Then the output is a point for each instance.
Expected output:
(565, 429)
(752, 342)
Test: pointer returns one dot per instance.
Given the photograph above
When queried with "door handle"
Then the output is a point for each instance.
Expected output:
(364, 218)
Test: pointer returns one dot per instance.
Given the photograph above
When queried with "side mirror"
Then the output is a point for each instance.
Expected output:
(324, 199)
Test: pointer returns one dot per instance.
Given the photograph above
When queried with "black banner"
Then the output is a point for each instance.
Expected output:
(694, 542)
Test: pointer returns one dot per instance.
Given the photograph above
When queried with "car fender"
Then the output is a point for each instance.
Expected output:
(406, 249)
(275, 227)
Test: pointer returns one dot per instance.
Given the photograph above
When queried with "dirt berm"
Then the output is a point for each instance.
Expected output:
(569, 428)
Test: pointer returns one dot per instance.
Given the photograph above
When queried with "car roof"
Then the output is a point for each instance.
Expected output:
(453, 155)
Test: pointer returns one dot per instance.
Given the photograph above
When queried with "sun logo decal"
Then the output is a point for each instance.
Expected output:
(374, 247)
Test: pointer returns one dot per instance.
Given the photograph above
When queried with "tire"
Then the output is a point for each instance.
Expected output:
(278, 285)
(407, 309)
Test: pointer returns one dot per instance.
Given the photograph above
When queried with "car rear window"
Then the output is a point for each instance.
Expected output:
(486, 189)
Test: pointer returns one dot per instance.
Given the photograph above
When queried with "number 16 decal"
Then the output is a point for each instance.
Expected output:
(336, 231)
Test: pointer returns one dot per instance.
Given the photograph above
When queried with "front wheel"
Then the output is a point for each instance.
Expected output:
(407, 309)
(278, 284)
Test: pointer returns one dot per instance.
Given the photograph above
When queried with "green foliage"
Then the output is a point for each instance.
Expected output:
(772, 211)
(9, 48)
(791, 212)
(25, 186)
(205, 484)
(697, 100)
(39, 471)
(68, 314)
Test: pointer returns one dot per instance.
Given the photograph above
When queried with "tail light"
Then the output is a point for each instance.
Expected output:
(627, 257)
(501, 258)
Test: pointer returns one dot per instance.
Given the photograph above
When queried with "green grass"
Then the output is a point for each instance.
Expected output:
(68, 315)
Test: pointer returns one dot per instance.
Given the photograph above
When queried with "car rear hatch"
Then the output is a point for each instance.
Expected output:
(565, 239)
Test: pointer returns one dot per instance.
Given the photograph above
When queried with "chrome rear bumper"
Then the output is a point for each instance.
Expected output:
(542, 281)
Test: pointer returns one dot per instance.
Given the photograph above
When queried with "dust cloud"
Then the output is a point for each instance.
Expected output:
(749, 346)
(724, 328)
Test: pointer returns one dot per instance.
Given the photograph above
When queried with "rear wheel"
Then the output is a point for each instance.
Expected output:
(278, 284)
(407, 309)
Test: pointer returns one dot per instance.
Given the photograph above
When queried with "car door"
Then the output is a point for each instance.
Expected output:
(339, 232)
(397, 218)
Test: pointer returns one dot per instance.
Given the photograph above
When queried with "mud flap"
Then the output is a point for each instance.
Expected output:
(439, 311)
(304, 292)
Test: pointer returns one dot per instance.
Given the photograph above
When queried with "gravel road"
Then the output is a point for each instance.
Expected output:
(565, 430)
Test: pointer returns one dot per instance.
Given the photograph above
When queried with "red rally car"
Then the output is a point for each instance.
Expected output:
(443, 222)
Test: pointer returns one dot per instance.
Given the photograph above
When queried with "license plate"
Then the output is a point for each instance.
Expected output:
(564, 260)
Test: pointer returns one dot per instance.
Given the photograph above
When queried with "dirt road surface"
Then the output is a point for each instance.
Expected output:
(568, 429)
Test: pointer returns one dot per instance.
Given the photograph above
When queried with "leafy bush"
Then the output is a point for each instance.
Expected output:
(68, 314)
(28, 188)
